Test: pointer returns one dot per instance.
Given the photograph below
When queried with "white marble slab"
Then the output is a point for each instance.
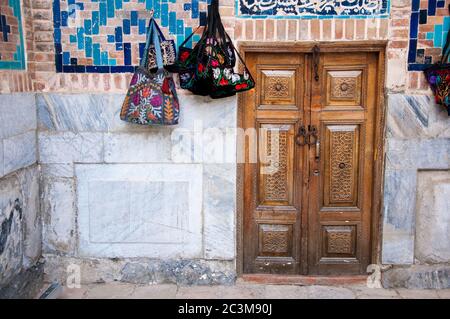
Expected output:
(140, 210)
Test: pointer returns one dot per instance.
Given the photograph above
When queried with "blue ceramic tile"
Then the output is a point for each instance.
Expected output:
(126, 26)
(431, 7)
(127, 53)
(104, 13)
(412, 51)
(301, 9)
(134, 18)
(423, 14)
(438, 36)
(414, 25)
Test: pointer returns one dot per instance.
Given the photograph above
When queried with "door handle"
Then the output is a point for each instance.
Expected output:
(302, 136)
(313, 140)
(317, 149)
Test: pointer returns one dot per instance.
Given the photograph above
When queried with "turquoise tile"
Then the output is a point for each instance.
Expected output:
(438, 36)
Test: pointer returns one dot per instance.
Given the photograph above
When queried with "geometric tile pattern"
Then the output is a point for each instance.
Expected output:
(12, 55)
(429, 26)
(313, 9)
(108, 36)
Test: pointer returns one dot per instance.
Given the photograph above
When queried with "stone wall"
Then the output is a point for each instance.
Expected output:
(20, 223)
(115, 190)
(416, 191)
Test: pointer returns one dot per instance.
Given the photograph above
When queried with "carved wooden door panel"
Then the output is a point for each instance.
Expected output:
(274, 166)
(309, 163)
(340, 188)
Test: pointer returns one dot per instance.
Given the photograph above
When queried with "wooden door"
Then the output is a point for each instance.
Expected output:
(308, 194)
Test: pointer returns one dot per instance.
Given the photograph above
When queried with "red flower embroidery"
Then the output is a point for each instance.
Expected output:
(184, 55)
(146, 92)
(241, 86)
(201, 68)
(151, 116)
(214, 63)
(166, 87)
(223, 81)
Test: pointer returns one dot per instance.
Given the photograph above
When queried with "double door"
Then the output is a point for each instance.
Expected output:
(308, 176)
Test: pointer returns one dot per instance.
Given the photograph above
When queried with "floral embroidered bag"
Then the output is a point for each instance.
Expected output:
(152, 98)
(219, 65)
(438, 77)
(208, 69)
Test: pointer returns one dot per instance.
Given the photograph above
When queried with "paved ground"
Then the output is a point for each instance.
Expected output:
(244, 290)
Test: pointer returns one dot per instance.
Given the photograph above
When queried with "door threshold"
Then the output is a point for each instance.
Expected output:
(303, 280)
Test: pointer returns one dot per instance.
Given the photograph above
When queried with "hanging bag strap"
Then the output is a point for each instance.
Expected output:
(206, 33)
(157, 45)
(159, 32)
(152, 38)
(144, 60)
(189, 37)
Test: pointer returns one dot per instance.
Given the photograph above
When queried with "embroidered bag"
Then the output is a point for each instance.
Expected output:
(226, 82)
(438, 77)
(187, 62)
(152, 97)
(168, 51)
(208, 69)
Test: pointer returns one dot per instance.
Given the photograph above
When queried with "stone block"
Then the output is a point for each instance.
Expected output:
(83, 113)
(24, 285)
(397, 246)
(433, 217)
(19, 151)
(140, 270)
(219, 210)
(17, 114)
(396, 81)
(418, 153)
(74, 112)
(68, 147)
(32, 244)
(417, 277)
(58, 215)
(152, 146)
(206, 112)
(57, 170)
(204, 145)
(407, 116)
(399, 216)
(415, 116)
(11, 226)
(140, 210)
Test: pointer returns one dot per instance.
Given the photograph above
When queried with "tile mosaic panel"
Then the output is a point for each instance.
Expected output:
(429, 26)
(12, 55)
(312, 9)
(108, 36)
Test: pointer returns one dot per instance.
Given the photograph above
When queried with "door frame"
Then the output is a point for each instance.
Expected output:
(377, 46)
